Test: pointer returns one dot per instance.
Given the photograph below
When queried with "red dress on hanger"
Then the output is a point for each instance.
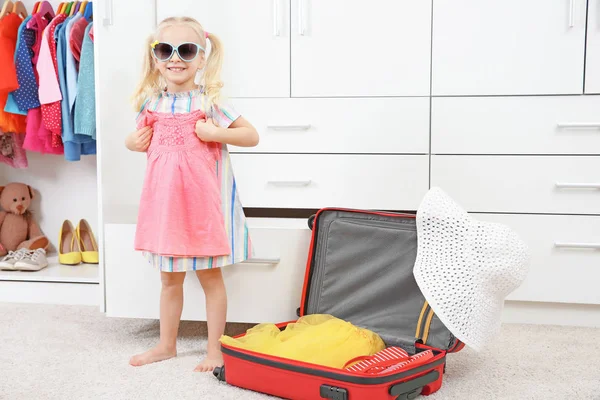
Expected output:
(9, 27)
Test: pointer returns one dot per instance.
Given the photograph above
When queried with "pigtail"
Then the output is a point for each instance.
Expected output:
(212, 72)
(150, 82)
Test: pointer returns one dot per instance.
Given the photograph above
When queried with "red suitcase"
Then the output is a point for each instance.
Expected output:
(359, 269)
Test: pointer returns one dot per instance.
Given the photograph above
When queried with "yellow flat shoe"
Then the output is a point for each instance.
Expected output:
(87, 243)
(68, 246)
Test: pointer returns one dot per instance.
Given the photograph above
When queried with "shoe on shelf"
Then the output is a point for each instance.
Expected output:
(9, 261)
(68, 245)
(34, 260)
(87, 243)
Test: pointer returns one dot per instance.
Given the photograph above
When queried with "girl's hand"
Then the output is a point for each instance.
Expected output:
(139, 140)
(207, 130)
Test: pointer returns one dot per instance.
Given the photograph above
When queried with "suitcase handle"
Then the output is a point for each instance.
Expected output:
(412, 389)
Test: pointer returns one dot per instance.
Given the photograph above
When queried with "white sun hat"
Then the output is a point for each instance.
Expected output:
(466, 268)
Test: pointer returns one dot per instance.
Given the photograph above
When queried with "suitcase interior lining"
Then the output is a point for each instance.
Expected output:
(362, 272)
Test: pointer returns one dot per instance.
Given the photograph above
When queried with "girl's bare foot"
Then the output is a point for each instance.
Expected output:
(156, 354)
(210, 363)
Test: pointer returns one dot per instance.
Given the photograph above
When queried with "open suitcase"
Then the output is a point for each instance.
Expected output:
(359, 269)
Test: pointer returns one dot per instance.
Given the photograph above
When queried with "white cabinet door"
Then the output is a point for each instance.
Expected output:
(353, 48)
(119, 48)
(592, 58)
(256, 41)
(269, 288)
(508, 47)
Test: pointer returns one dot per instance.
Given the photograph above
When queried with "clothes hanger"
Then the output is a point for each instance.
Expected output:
(35, 7)
(72, 10)
(45, 8)
(77, 7)
(60, 5)
(89, 11)
(69, 6)
(82, 7)
(7, 8)
(19, 9)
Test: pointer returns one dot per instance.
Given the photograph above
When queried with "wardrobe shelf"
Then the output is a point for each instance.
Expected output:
(55, 272)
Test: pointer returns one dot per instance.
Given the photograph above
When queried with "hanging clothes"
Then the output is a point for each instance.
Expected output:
(75, 145)
(9, 28)
(49, 92)
(71, 70)
(38, 23)
(76, 40)
(11, 104)
(37, 137)
(42, 95)
(26, 95)
(85, 107)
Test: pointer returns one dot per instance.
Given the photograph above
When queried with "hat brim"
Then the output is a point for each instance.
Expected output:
(449, 270)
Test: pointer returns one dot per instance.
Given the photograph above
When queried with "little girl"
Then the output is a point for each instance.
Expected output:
(190, 216)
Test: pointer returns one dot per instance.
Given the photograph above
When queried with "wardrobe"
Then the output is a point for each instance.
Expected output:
(368, 107)
(62, 190)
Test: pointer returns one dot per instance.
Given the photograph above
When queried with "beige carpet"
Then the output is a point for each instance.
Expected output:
(58, 352)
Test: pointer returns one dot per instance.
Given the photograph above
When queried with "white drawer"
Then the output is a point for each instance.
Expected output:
(332, 125)
(557, 274)
(313, 181)
(543, 184)
(257, 292)
(516, 125)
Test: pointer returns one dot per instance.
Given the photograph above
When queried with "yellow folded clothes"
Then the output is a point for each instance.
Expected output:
(318, 339)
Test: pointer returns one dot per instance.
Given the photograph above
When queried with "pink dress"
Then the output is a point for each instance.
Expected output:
(190, 214)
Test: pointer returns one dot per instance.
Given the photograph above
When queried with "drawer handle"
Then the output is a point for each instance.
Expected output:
(299, 127)
(567, 245)
(108, 11)
(571, 13)
(276, 17)
(566, 125)
(566, 185)
(262, 261)
(290, 183)
(301, 26)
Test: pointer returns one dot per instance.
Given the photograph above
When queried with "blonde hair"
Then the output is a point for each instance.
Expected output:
(151, 82)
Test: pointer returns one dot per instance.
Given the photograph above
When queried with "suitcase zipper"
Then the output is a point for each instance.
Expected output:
(428, 325)
(424, 324)
(422, 318)
(315, 301)
(328, 373)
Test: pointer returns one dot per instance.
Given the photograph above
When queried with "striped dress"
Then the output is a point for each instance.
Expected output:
(236, 227)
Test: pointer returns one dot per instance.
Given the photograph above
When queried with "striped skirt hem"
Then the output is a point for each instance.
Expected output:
(184, 264)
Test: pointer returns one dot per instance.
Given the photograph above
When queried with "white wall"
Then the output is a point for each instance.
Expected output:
(65, 190)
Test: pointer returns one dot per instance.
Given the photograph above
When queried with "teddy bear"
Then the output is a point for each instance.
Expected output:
(18, 229)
